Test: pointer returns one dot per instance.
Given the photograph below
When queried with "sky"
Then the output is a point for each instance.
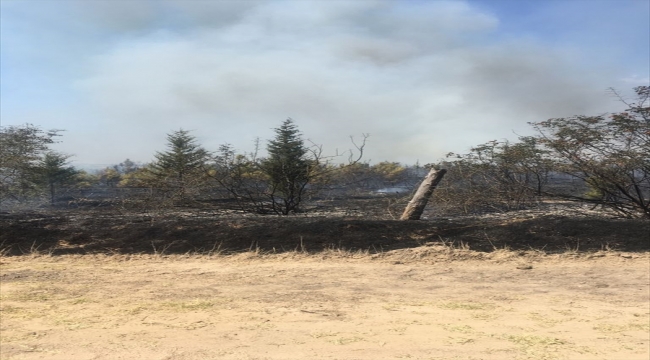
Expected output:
(423, 78)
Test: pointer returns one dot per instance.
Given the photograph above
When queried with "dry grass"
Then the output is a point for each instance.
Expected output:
(348, 304)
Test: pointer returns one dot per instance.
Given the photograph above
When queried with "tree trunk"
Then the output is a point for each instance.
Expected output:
(51, 193)
(416, 206)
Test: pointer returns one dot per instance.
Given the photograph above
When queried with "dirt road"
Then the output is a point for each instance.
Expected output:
(296, 306)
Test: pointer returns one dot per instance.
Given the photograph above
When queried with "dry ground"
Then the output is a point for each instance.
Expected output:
(113, 283)
(430, 302)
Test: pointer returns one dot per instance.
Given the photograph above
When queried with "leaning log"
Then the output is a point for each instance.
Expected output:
(415, 207)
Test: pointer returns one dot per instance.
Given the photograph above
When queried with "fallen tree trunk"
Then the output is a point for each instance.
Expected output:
(415, 207)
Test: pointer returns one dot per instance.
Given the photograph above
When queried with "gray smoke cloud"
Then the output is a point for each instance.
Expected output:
(423, 78)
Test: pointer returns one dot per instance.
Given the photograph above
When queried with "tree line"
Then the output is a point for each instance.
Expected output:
(603, 160)
(182, 173)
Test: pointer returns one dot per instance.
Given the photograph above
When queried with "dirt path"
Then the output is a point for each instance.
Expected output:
(304, 307)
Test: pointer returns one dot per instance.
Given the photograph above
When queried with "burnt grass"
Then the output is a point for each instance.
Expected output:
(206, 230)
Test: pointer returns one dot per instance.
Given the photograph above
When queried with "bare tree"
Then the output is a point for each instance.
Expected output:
(611, 154)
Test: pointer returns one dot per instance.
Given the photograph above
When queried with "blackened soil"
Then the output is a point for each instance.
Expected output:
(84, 231)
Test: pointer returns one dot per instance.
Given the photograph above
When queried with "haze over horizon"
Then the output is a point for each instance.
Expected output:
(423, 78)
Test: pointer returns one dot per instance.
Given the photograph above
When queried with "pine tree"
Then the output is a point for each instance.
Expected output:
(182, 164)
(21, 150)
(54, 172)
(287, 167)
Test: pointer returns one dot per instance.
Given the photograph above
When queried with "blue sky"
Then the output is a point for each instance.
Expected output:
(422, 77)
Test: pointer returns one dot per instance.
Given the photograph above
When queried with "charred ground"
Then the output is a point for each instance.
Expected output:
(356, 225)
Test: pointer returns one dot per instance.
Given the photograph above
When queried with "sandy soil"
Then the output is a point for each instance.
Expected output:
(296, 306)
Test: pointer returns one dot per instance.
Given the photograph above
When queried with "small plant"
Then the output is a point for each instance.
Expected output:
(160, 251)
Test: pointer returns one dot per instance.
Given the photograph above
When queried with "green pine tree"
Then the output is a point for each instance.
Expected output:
(181, 166)
(55, 173)
(287, 168)
(21, 151)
